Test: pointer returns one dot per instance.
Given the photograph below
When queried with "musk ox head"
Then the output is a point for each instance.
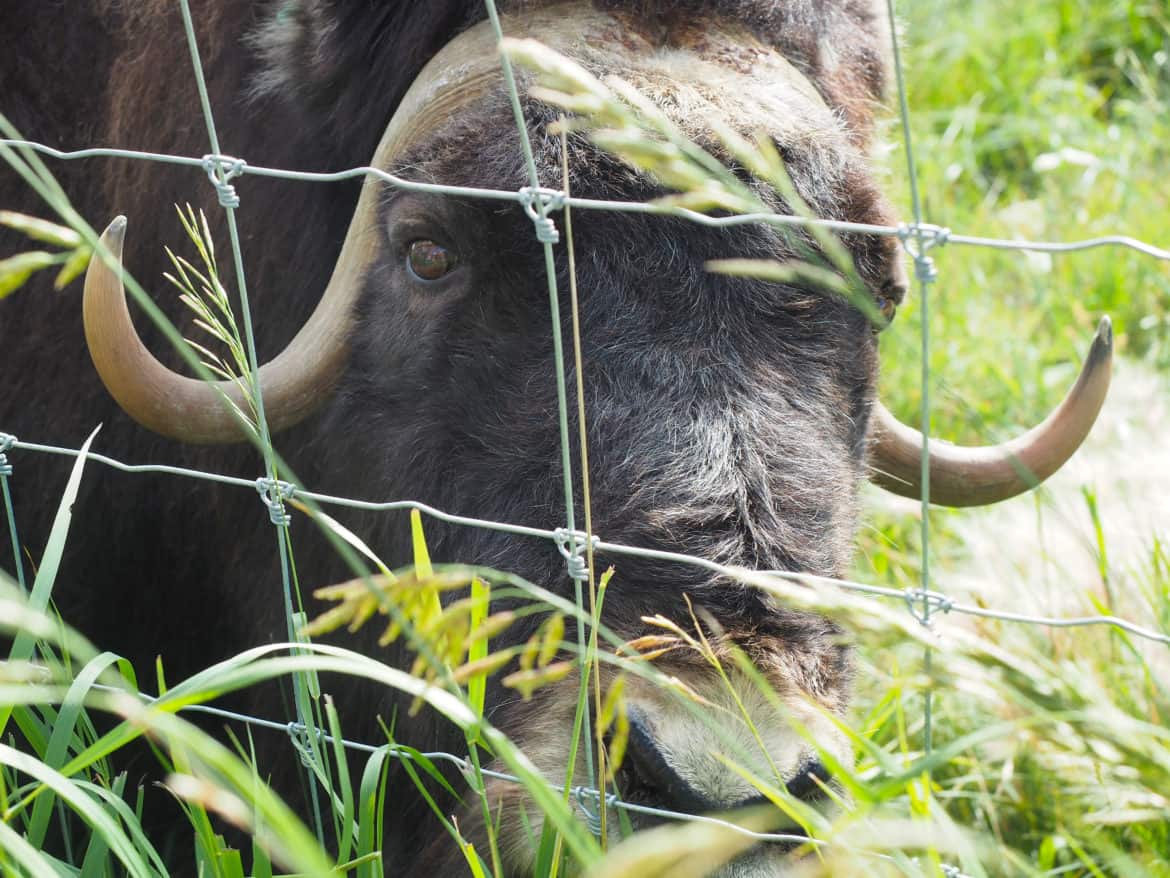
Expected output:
(727, 418)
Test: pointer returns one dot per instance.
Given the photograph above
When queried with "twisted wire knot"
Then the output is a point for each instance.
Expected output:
(912, 597)
(577, 567)
(299, 735)
(220, 170)
(273, 493)
(7, 441)
(571, 543)
(916, 597)
(470, 776)
(589, 802)
(918, 239)
(538, 203)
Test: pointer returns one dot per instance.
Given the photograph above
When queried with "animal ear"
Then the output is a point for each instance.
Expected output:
(297, 47)
(324, 56)
(897, 281)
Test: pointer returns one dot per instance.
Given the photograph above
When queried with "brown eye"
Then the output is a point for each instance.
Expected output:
(428, 260)
(888, 307)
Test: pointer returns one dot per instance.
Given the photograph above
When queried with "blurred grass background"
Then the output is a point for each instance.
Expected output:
(1047, 121)
(1044, 121)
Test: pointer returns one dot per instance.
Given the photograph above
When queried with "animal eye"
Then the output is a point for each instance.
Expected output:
(888, 308)
(428, 260)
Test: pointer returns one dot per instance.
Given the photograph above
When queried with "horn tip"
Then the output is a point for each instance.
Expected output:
(116, 231)
(1105, 330)
(1102, 349)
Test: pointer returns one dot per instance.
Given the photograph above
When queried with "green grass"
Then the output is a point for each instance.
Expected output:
(1006, 102)
(1045, 121)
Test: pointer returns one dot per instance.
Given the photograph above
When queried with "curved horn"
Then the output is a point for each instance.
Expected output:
(293, 383)
(976, 476)
(706, 83)
(300, 378)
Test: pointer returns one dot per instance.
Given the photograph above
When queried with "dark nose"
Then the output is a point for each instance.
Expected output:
(648, 778)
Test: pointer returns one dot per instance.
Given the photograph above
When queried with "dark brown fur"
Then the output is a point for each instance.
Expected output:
(727, 418)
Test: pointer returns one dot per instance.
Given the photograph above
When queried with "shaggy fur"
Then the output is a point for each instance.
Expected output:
(727, 417)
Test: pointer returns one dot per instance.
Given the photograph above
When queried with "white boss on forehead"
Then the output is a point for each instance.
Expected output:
(723, 76)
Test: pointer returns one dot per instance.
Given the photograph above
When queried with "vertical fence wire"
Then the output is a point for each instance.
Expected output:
(586, 500)
(917, 240)
(220, 177)
(538, 209)
(924, 271)
(6, 443)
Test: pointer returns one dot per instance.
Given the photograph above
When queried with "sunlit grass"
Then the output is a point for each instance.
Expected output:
(1045, 121)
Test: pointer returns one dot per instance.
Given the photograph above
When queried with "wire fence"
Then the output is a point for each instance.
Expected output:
(542, 203)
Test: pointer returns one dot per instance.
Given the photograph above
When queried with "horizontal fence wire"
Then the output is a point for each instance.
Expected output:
(585, 797)
(917, 238)
(937, 235)
(582, 794)
(562, 536)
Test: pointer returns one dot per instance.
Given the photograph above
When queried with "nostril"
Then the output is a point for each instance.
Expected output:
(809, 782)
(647, 778)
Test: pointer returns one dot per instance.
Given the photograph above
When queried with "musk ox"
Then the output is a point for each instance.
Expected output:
(729, 418)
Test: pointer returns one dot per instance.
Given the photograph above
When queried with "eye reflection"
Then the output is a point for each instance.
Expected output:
(428, 260)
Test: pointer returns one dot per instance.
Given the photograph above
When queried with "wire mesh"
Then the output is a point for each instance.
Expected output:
(911, 597)
(541, 202)
(525, 194)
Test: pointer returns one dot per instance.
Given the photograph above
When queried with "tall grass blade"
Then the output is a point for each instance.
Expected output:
(370, 809)
(64, 729)
(86, 807)
(22, 646)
